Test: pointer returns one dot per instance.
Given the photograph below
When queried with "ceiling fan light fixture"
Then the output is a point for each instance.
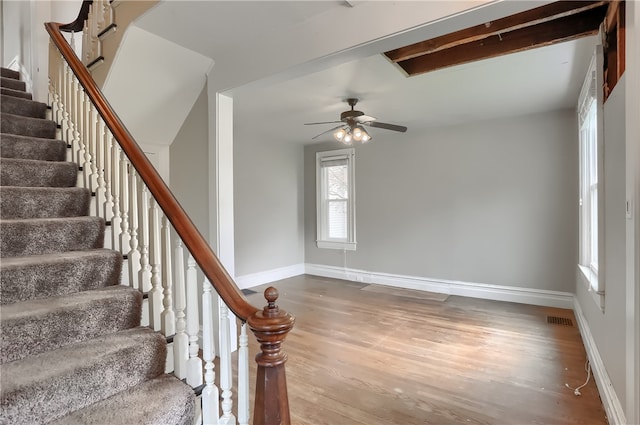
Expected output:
(347, 138)
(339, 134)
(357, 133)
(366, 137)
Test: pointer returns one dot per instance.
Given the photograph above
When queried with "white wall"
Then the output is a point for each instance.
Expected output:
(268, 203)
(25, 42)
(632, 154)
(19, 49)
(189, 164)
(490, 202)
(608, 327)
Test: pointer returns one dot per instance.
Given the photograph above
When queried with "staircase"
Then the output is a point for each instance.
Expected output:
(72, 349)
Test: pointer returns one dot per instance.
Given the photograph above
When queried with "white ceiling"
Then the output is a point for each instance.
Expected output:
(537, 80)
(295, 62)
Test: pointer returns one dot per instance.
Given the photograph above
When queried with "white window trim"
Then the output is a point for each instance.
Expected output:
(350, 243)
(593, 275)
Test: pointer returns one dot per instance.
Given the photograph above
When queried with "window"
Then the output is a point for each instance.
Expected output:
(591, 148)
(335, 199)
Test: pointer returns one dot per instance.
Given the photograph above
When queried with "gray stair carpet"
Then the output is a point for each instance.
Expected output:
(25, 147)
(43, 202)
(12, 83)
(36, 173)
(27, 126)
(15, 93)
(71, 347)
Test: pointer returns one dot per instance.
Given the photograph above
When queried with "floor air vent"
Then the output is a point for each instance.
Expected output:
(248, 291)
(555, 320)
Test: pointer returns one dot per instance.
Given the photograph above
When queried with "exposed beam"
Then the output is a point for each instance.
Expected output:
(543, 34)
(518, 21)
(612, 15)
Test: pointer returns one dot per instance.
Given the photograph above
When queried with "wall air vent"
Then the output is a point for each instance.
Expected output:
(555, 320)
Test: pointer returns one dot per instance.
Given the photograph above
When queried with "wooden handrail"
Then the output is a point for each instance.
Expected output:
(270, 324)
(193, 240)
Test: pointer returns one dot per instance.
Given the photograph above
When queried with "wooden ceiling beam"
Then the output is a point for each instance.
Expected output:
(566, 28)
(501, 26)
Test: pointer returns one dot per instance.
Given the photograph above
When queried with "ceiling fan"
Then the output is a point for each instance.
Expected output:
(351, 123)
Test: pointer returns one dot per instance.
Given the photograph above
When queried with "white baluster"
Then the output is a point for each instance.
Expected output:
(78, 154)
(79, 135)
(73, 41)
(168, 317)
(243, 376)
(74, 117)
(155, 296)
(107, 175)
(93, 34)
(66, 95)
(72, 87)
(225, 366)
(101, 190)
(86, 142)
(92, 148)
(144, 274)
(109, 13)
(54, 76)
(133, 257)
(51, 95)
(210, 393)
(125, 236)
(116, 219)
(180, 340)
(194, 364)
(99, 15)
(143, 232)
(85, 43)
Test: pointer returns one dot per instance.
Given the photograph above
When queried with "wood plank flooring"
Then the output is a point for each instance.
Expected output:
(363, 357)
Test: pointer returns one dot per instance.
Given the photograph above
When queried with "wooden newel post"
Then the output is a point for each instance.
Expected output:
(271, 326)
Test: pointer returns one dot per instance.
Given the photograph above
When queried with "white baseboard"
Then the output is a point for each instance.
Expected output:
(466, 289)
(610, 400)
(268, 276)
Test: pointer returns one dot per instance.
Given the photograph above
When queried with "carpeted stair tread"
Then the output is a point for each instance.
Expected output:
(12, 83)
(26, 147)
(71, 349)
(43, 202)
(27, 126)
(37, 173)
(34, 326)
(160, 401)
(49, 385)
(48, 235)
(25, 107)
(9, 73)
(15, 93)
(52, 275)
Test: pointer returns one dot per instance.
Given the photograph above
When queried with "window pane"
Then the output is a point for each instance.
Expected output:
(335, 199)
(337, 219)
(337, 182)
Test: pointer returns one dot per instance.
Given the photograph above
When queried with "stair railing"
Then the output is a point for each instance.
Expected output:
(165, 255)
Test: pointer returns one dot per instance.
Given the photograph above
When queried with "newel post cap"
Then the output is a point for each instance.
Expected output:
(271, 326)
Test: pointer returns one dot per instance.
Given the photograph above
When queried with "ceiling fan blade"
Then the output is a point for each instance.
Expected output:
(324, 122)
(328, 131)
(386, 126)
(364, 119)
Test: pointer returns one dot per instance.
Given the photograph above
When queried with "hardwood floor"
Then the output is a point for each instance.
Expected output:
(363, 357)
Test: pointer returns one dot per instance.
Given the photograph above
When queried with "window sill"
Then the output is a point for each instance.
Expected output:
(346, 246)
(591, 281)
